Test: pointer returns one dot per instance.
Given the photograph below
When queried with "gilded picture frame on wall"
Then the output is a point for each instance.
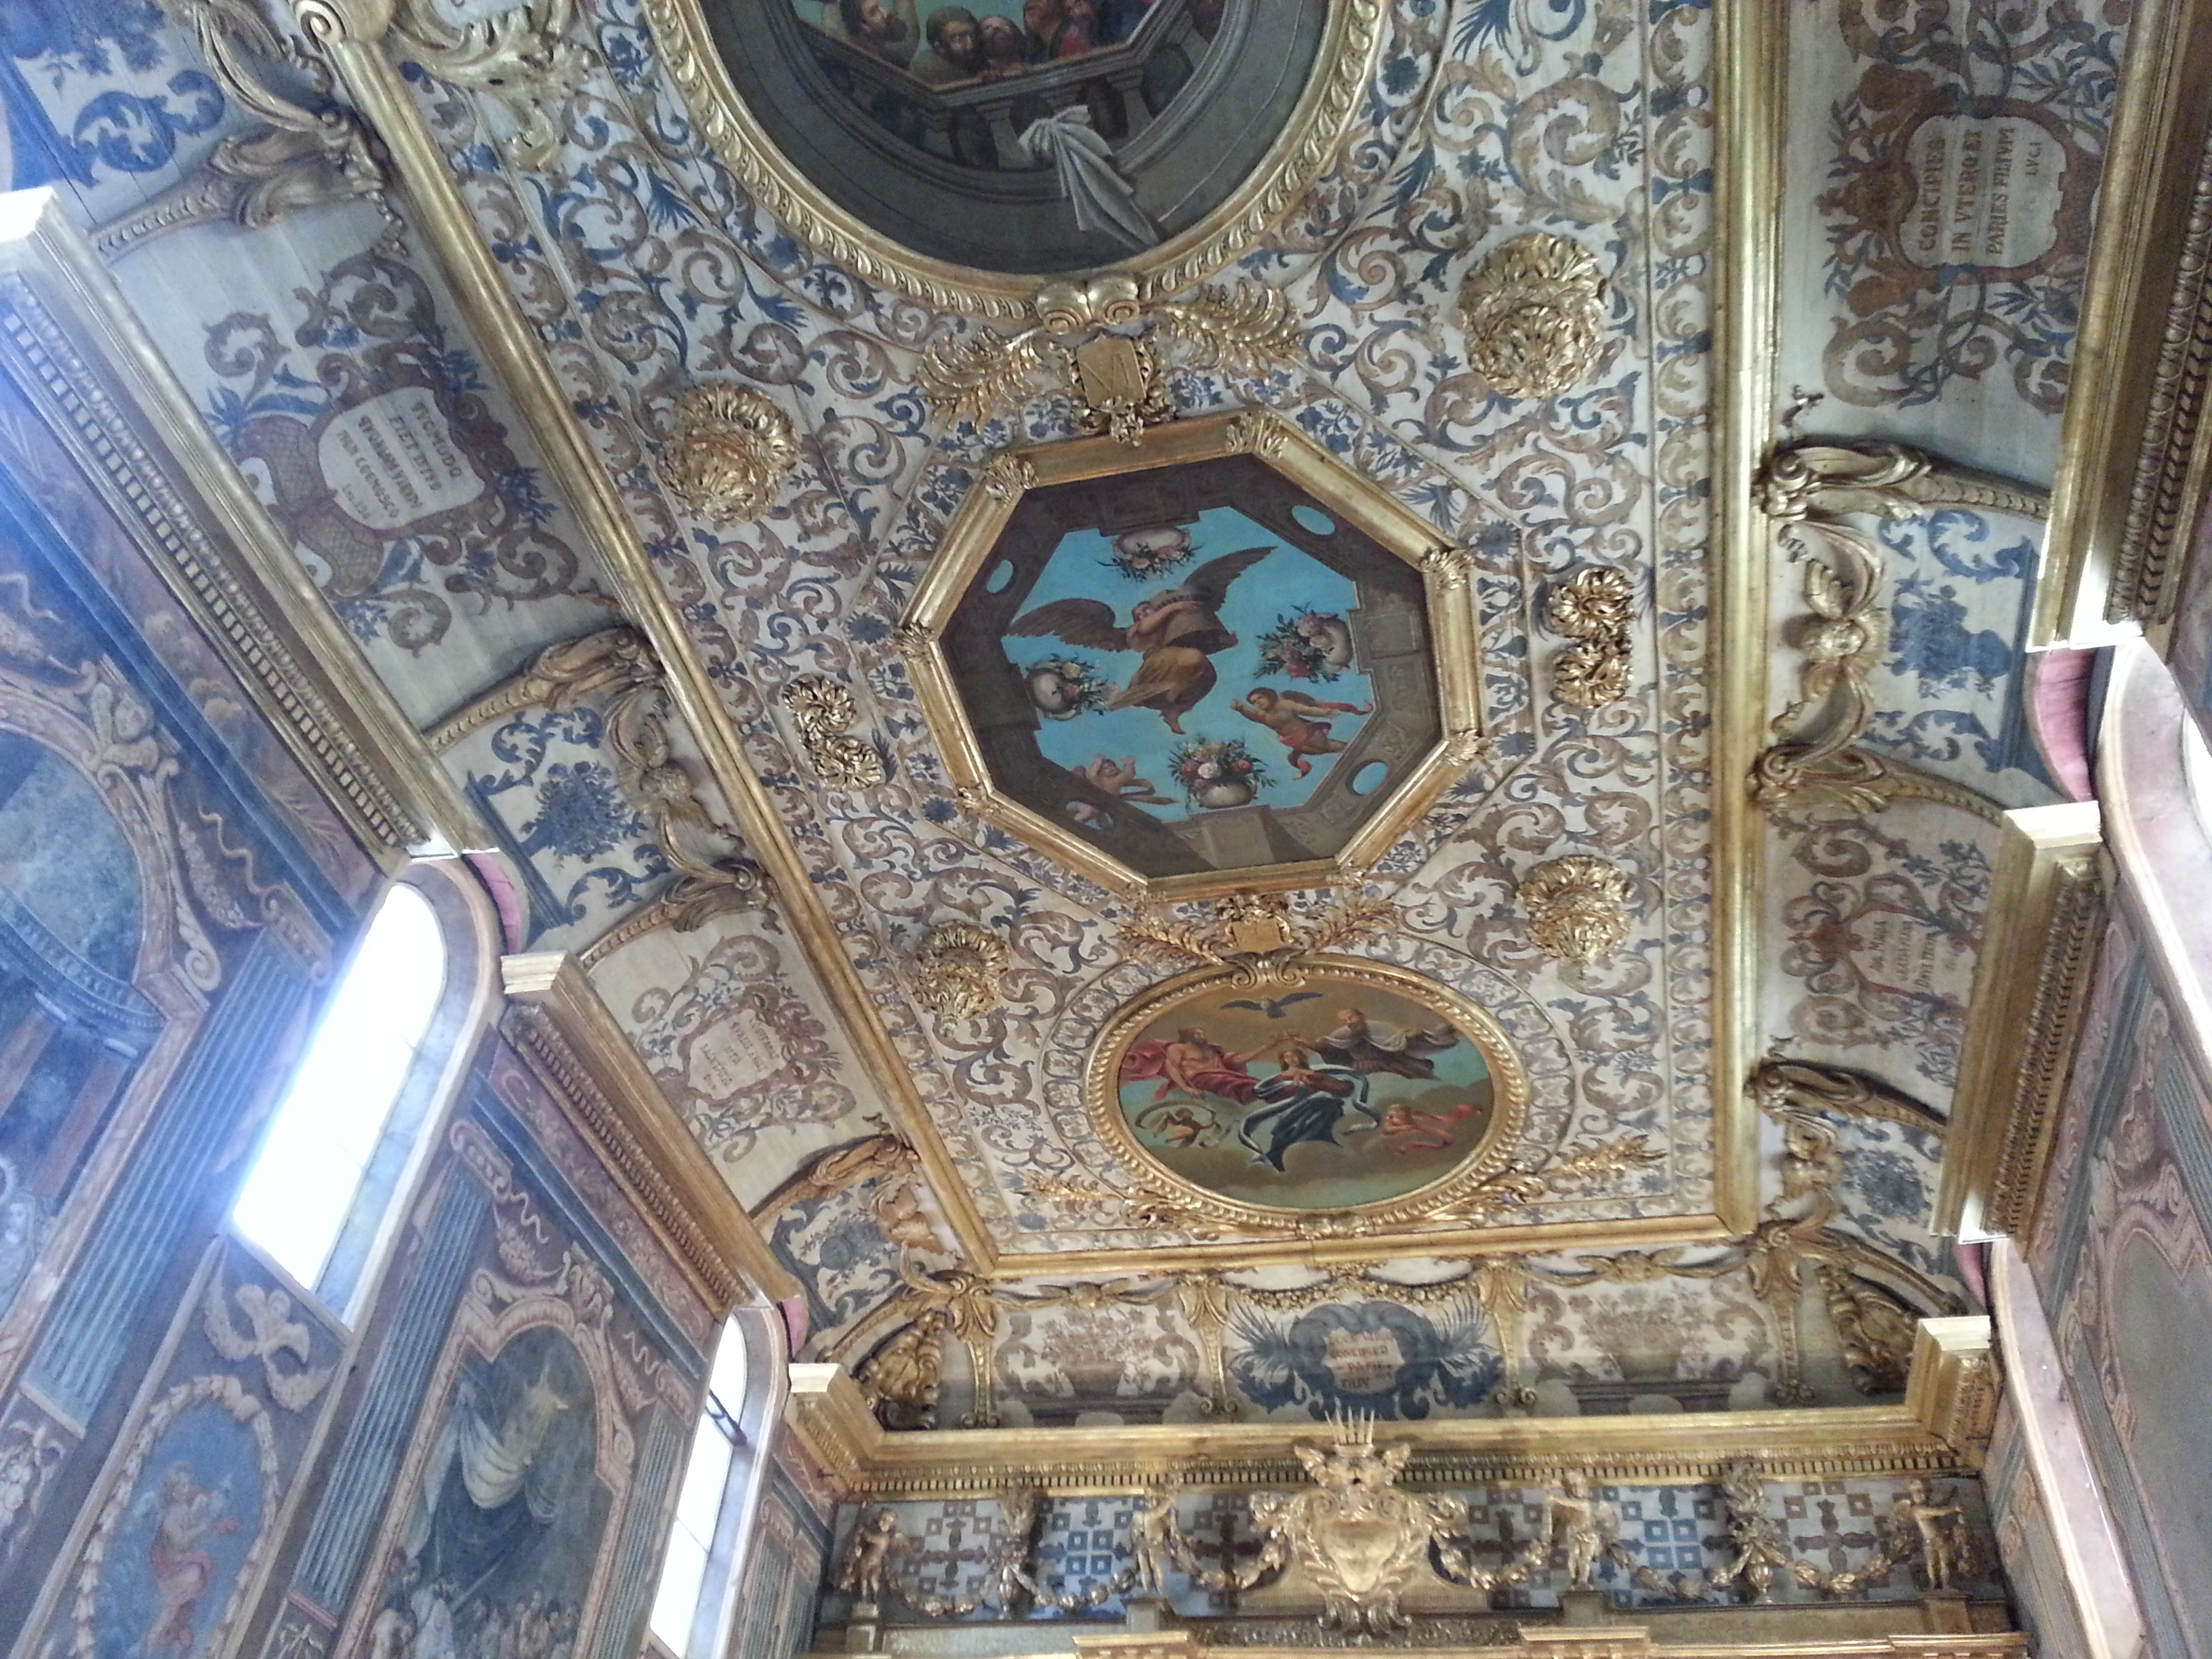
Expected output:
(1357, 1094)
(1220, 662)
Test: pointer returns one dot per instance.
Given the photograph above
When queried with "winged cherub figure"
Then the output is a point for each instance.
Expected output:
(1178, 630)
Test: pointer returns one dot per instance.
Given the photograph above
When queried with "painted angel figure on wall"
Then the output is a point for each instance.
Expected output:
(1365, 1046)
(186, 1513)
(1178, 630)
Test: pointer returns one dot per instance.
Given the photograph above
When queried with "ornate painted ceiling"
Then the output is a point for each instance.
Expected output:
(1561, 348)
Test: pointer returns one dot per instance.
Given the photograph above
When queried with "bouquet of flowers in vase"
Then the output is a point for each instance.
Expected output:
(1217, 774)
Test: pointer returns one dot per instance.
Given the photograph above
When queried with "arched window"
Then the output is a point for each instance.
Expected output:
(695, 1600)
(315, 1198)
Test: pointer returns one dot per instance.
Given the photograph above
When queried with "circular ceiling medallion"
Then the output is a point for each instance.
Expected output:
(967, 152)
(1360, 1088)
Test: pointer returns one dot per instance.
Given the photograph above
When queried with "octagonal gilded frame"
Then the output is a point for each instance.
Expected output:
(1287, 452)
(1509, 1079)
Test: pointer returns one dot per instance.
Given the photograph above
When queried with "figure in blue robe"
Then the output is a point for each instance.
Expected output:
(1302, 1101)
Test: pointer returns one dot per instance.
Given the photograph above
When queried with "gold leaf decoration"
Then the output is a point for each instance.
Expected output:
(1535, 314)
(1593, 608)
(956, 969)
(1577, 908)
(733, 448)
(825, 710)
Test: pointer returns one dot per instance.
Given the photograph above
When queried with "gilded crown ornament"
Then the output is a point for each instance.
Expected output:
(1577, 909)
(1256, 934)
(733, 448)
(956, 969)
(1533, 311)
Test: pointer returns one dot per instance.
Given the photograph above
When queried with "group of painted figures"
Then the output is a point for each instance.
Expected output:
(1177, 633)
(1319, 1080)
(955, 45)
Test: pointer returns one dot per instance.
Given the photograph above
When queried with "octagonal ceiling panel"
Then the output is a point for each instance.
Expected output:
(1178, 663)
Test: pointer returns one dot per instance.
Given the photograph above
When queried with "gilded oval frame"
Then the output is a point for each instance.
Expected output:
(1102, 1100)
(1317, 125)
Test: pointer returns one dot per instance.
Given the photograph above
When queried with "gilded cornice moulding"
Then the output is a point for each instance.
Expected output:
(111, 397)
(1942, 1427)
(2134, 453)
(1607, 1641)
(2046, 918)
(352, 33)
(576, 1049)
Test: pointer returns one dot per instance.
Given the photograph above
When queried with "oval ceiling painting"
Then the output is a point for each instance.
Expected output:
(1354, 1087)
(1020, 138)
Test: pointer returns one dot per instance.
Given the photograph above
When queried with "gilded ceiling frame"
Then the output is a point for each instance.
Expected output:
(1510, 1079)
(363, 40)
(1316, 125)
(1749, 73)
(1281, 448)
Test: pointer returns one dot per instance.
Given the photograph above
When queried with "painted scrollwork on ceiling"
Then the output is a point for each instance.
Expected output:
(1533, 486)
(1389, 316)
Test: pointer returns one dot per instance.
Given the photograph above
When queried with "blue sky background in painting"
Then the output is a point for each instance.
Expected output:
(1279, 586)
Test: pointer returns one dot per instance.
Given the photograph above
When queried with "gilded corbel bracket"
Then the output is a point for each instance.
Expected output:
(1811, 493)
(1952, 1394)
(578, 1050)
(1788, 1087)
(1099, 346)
(712, 876)
(2046, 917)
(520, 58)
(293, 158)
